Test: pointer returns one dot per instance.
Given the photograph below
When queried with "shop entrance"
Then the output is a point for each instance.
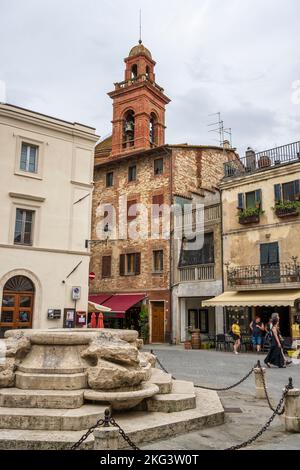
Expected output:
(17, 304)
(284, 315)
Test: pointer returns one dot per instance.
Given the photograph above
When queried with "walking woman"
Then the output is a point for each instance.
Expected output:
(275, 356)
(236, 335)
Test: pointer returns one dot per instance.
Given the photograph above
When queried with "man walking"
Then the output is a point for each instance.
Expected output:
(257, 328)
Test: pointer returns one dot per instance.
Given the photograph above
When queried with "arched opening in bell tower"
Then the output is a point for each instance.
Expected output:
(128, 129)
(153, 130)
(134, 71)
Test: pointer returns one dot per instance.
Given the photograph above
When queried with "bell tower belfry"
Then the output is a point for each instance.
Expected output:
(138, 105)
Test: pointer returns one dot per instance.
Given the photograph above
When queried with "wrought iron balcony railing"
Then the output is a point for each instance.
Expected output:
(264, 274)
(254, 162)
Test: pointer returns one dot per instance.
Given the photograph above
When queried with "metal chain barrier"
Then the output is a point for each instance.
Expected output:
(268, 423)
(106, 422)
(209, 388)
(280, 413)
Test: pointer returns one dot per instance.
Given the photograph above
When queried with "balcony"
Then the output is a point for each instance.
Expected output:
(264, 276)
(254, 162)
(204, 272)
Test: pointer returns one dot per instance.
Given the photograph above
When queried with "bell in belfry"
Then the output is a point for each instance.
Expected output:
(129, 126)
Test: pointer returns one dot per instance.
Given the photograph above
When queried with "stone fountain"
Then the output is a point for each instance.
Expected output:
(54, 384)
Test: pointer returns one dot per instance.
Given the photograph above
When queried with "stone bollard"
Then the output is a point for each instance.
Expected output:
(292, 410)
(106, 438)
(259, 384)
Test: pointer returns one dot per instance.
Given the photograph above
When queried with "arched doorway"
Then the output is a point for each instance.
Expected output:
(17, 303)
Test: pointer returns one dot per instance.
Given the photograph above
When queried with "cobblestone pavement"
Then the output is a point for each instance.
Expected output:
(211, 368)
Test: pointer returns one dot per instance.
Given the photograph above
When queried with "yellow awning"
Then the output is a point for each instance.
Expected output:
(260, 298)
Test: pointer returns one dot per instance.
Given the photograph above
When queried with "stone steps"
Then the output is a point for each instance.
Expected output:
(142, 427)
(51, 419)
(57, 399)
(182, 397)
(162, 380)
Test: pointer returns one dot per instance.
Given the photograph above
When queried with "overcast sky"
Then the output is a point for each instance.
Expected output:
(239, 57)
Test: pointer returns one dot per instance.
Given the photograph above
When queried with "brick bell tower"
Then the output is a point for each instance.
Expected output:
(138, 105)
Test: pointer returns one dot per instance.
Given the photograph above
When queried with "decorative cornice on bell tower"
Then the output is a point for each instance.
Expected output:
(138, 105)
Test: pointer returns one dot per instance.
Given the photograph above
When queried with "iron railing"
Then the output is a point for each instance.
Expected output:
(254, 162)
(264, 274)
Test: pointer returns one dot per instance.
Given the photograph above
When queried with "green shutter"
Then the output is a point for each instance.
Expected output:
(277, 193)
(258, 198)
(137, 264)
(241, 201)
(297, 190)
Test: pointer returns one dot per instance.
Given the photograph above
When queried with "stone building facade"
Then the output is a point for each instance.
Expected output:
(135, 164)
(261, 238)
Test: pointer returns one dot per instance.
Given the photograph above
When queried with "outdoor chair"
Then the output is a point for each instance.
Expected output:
(287, 344)
(220, 342)
(212, 340)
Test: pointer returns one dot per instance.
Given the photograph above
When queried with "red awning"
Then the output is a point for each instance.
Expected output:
(99, 298)
(120, 303)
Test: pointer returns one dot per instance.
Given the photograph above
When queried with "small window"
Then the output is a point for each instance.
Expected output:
(250, 200)
(157, 202)
(134, 71)
(132, 173)
(23, 227)
(131, 213)
(106, 267)
(291, 190)
(109, 179)
(130, 264)
(159, 166)
(158, 261)
(29, 156)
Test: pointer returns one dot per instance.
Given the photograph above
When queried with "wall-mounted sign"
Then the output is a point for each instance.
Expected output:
(76, 293)
(54, 314)
(69, 318)
(92, 276)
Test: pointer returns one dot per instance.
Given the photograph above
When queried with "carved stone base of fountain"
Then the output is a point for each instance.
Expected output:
(55, 384)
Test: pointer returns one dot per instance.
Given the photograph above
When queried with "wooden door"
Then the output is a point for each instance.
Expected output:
(17, 309)
(158, 322)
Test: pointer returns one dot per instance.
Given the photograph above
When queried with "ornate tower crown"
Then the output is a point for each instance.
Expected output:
(138, 105)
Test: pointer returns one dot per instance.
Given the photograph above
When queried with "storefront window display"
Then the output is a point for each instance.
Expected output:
(242, 314)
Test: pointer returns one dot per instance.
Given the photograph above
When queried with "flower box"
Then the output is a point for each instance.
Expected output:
(250, 219)
(286, 212)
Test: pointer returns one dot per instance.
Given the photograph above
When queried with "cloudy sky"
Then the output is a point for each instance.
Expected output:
(239, 57)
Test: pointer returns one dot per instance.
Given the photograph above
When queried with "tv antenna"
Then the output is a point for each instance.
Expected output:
(140, 40)
(218, 127)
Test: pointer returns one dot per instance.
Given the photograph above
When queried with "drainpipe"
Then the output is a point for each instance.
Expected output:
(222, 256)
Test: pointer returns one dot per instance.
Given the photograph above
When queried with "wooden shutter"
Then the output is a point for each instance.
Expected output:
(129, 204)
(258, 198)
(122, 265)
(241, 201)
(106, 266)
(158, 199)
(277, 193)
(137, 264)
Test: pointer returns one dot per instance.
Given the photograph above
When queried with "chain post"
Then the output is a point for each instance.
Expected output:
(290, 385)
(107, 417)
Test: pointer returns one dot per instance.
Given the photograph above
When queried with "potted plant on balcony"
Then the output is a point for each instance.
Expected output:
(250, 215)
(144, 324)
(287, 208)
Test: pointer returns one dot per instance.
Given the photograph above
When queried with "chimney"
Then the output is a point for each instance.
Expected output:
(250, 159)
(226, 144)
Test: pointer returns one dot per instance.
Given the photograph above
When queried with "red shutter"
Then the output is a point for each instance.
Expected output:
(137, 264)
(129, 204)
(122, 265)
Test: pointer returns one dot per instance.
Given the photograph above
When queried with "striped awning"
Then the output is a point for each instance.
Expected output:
(262, 298)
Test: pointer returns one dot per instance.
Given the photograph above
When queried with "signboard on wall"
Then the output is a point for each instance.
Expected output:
(76, 293)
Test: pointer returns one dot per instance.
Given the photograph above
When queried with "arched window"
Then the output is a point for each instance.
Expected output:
(134, 71)
(17, 304)
(148, 71)
(128, 129)
(153, 129)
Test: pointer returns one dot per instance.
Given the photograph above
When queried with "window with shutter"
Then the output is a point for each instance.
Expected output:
(157, 201)
(109, 179)
(122, 265)
(277, 192)
(291, 190)
(132, 173)
(241, 201)
(106, 266)
(131, 210)
(158, 166)
(137, 264)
